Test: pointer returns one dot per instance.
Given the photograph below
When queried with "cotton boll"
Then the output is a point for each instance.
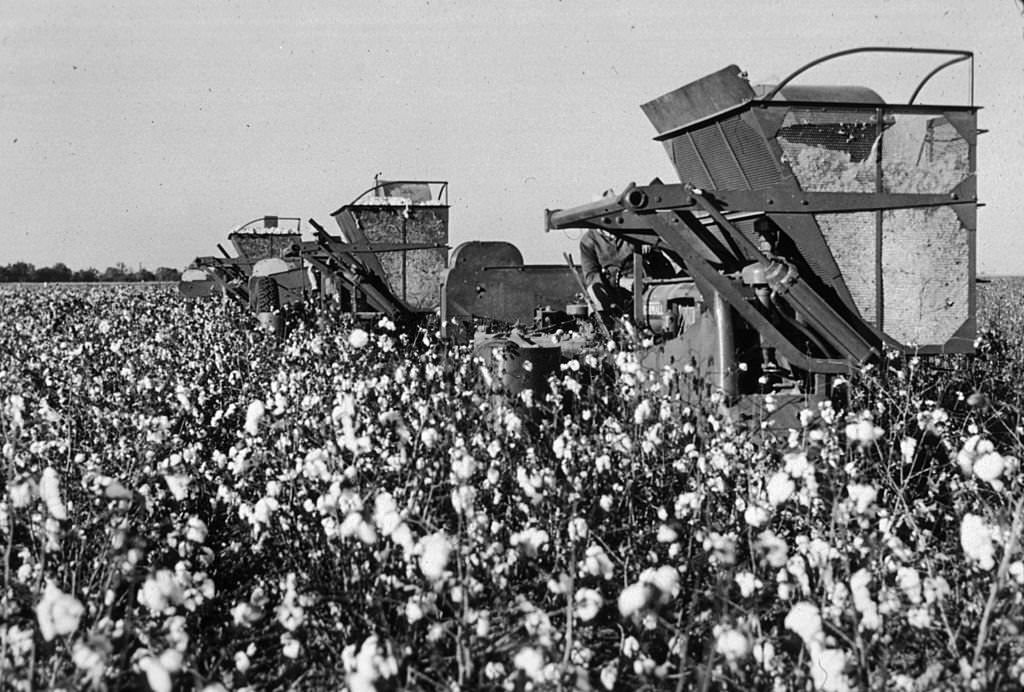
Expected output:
(732, 644)
(634, 598)
(49, 491)
(588, 604)
(531, 662)
(358, 338)
(989, 467)
(976, 540)
(780, 488)
(434, 553)
(756, 516)
(804, 619)
(253, 415)
(58, 613)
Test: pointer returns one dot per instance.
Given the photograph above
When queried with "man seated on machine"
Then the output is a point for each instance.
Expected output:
(607, 262)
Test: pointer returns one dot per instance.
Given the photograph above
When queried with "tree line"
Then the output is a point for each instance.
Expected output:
(25, 272)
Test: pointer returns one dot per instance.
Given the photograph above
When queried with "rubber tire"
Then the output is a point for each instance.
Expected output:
(267, 298)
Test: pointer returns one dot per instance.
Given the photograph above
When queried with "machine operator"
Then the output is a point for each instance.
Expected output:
(607, 262)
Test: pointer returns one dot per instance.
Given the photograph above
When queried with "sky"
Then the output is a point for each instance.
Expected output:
(142, 132)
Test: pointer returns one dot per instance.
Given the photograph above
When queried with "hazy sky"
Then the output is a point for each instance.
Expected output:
(143, 131)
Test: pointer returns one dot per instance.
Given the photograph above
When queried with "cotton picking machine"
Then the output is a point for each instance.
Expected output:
(389, 257)
(819, 227)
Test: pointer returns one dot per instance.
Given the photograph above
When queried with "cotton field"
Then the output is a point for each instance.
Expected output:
(189, 504)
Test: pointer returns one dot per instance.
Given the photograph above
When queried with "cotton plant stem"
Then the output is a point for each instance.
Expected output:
(997, 583)
(8, 549)
(571, 591)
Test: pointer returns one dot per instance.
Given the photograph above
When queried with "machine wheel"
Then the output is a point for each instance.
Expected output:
(267, 298)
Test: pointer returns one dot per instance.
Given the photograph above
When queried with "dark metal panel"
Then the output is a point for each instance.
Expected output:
(483, 282)
(714, 152)
(753, 154)
(699, 99)
(688, 163)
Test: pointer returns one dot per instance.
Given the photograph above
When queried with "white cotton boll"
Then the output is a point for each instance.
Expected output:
(1016, 570)
(863, 496)
(264, 508)
(989, 467)
(597, 563)
(764, 652)
(643, 412)
(634, 598)
(796, 464)
(171, 660)
(578, 529)
(49, 491)
(780, 488)
(178, 484)
(434, 553)
(747, 582)
(756, 516)
(804, 619)
(909, 582)
(666, 534)
(666, 580)
(908, 448)
(366, 533)
(463, 465)
(253, 415)
(290, 646)
(429, 437)
(610, 675)
(732, 644)
(158, 677)
(588, 604)
(828, 670)
(462, 499)
(530, 540)
(196, 530)
(976, 540)
(22, 494)
(531, 662)
(58, 613)
(358, 338)
(862, 601)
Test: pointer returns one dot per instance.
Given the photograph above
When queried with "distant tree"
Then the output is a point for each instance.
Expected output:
(56, 273)
(144, 275)
(85, 275)
(116, 273)
(167, 274)
(19, 271)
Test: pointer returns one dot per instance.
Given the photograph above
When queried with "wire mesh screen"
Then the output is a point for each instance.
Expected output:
(830, 151)
(923, 154)
(851, 238)
(257, 246)
(925, 279)
(412, 275)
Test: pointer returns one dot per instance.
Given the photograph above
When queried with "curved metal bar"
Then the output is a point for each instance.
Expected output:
(940, 68)
(378, 184)
(297, 220)
(867, 49)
